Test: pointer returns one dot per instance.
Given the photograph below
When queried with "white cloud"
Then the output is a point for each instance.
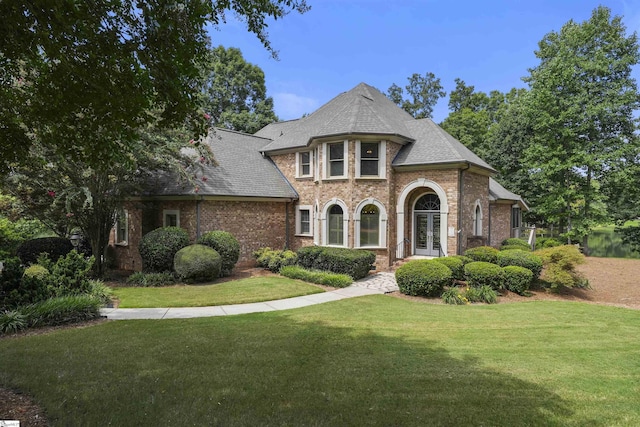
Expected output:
(291, 106)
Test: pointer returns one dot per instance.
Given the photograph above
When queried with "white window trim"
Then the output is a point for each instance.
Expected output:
(382, 160)
(327, 166)
(325, 223)
(477, 222)
(382, 232)
(299, 173)
(166, 212)
(299, 218)
(125, 241)
(317, 223)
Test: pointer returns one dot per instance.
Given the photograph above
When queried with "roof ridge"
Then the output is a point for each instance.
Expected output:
(215, 129)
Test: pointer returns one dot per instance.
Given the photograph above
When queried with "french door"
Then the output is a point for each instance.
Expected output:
(427, 233)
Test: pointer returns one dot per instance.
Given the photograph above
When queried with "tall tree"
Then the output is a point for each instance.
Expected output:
(82, 77)
(582, 102)
(235, 95)
(423, 94)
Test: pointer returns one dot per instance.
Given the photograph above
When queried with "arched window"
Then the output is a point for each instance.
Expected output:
(477, 220)
(428, 202)
(370, 224)
(335, 227)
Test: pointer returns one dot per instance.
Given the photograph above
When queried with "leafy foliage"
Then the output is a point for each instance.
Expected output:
(560, 264)
(69, 275)
(423, 277)
(12, 321)
(353, 262)
(197, 263)
(326, 278)
(226, 245)
(275, 260)
(54, 247)
(10, 281)
(521, 258)
(456, 265)
(512, 241)
(159, 247)
(482, 253)
(423, 91)
(480, 273)
(62, 310)
(517, 279)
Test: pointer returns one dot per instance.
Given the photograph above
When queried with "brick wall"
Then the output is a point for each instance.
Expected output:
(500, 223)
(475, 189)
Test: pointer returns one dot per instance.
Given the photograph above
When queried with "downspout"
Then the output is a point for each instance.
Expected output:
(460, 189)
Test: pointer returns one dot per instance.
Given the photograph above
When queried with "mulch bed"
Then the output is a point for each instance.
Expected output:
(613, 281)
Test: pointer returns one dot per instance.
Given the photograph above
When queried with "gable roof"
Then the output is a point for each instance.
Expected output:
(498, 192)
(364, 110)
(241, 171)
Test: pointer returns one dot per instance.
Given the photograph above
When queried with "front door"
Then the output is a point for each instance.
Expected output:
(427, 233)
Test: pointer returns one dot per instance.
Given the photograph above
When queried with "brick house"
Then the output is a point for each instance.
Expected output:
(359, 172)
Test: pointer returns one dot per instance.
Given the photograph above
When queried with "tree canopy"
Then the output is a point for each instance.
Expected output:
(234, 93)
(423, 94)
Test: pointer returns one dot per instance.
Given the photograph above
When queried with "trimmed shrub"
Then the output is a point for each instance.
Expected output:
(34, 286)
(159, 247)
(513, 241)
(514, 247)
(281, 259)
(314, 276)
(456, 265)
(353, 262)
(482, 253)
(197, 263)
(54, 247)
(226, 245)
(61, 310)
(517, 279)
(151, 279)
(560, 264)
(520, 258)
(10, 281)
(423, 277)
(480, 273)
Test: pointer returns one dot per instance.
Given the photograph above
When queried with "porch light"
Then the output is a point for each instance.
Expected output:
(75, 239)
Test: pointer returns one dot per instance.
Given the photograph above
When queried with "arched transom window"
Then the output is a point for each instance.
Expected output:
(428, 202)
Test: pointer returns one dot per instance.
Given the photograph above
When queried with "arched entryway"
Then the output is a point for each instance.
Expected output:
(425, 216)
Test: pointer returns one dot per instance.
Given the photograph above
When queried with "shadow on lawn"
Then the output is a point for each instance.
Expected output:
(264, 369)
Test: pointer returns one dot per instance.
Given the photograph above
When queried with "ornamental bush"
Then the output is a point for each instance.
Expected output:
(353, 262)
(54, 247)
(197, 263)
(515, 242)
(34, 286)
(516, 247)
(10, 281)
(482, 253)
(314, 276)
(548, 242)
(159, 247)
(560, 264)
(520, 258)
(69, 275)
(517, 279)
(226, 245)
(480, 273)
(423, 277)
(274, 260)
(456, 265)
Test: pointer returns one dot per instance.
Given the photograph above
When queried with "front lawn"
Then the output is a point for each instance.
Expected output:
(253, 289)
(372, 360)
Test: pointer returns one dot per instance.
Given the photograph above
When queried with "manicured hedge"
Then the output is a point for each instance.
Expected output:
(456, 265)
(353, 262)
(226, 245)
(482, 253)
(511, 247)
(274, 260)
(480, 273)
(513, 241)
(55, 247)
(517, 279)
(520, 258)
(158, 248)
(314, 276)
(197, 263)
(423, 277)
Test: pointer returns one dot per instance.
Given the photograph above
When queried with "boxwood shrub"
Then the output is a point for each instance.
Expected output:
(197, 263)
(511, 247)
(482, 253)
(158, 248)
(513, 241)
(520, 258)
(423, 277)
(480, 273)
(226, 245)
(353, 262)
(55, 247)
(517, 279)
(456, 265)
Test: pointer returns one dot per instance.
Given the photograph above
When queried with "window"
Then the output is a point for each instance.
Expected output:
(171, 218)
(370, 159)
(335, 223)
(371, 224)
(428, 202)
(335, 154)
(477, 220)
(516, 221)
(303, 221)
(336, 229)
(122, 228)
(304, 164)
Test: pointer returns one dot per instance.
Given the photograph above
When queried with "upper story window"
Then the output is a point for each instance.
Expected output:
(170, 218)
(335, 155)
(370, 159)
(304, 164)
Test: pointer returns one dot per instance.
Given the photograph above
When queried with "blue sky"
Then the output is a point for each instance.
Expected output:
(339, 43)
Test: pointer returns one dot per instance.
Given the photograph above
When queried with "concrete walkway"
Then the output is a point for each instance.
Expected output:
(379, 283)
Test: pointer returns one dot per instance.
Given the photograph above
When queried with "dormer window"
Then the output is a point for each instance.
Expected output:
(304, 164)
(370, 159)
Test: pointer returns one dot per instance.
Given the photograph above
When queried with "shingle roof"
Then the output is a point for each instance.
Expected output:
(498, 192)
(241, 171)
(366, 110)
(362, 110)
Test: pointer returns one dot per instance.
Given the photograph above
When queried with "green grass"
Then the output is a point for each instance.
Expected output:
(373, 360)
(254, 289)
